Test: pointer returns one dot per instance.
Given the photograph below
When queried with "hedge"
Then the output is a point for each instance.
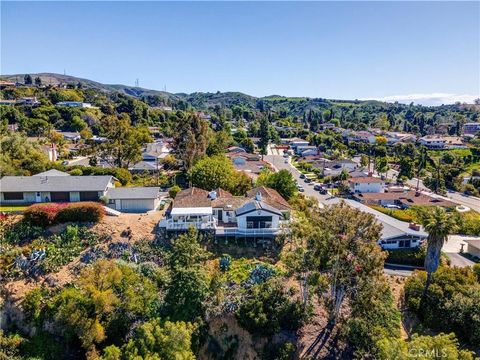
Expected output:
(412, 257)
(48, 214)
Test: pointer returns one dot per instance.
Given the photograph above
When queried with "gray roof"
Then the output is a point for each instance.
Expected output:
(145, 165)
(52, 172)
(392, 228)
(256, 205)
(133, 193)
(54, 183)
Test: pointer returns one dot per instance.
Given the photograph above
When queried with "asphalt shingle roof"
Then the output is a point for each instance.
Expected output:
(133, 193)
(54, 183)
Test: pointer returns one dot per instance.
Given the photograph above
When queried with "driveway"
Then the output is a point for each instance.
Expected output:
(452, 248)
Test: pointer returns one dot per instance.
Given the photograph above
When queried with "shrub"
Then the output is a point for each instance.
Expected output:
(174, 190)
(42, 214)
(76, 172)
(268, 309)
(413, 257)
(81, 212)
(452, 301)
(48, 214)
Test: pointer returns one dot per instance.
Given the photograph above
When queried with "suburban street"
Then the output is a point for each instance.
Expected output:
(451, 248)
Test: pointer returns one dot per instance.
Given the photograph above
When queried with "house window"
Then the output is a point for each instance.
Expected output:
(13, 196)
(259, 222)
(111, 201)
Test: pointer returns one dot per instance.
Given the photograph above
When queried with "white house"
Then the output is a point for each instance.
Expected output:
(260, 214)
(366, 184)
(58, 186)
(74, 104)
(433, 142)
(471, 128)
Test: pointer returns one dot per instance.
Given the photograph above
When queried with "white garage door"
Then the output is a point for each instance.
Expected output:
(136, 205)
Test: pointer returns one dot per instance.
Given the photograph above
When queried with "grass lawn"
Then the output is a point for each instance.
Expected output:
(7, 208)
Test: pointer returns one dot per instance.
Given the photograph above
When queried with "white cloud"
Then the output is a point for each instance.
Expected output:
(429, 99)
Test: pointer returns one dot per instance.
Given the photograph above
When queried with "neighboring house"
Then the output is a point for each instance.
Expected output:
(250, 164)
(397, 137)
(28, 101)
(134, 199)
(236, 150)
(51, 151)
(360, 136)
(471, 128)
(145, 166)
(74, 104)
(295, 142)
(473, 247)
(395, 234)
(71, 136)
(366, 184)
(300, 149)
(8, 102)
(433, 142)
(53, 186)
(58, 186)
(151, 155)
(403, 199)
(259, 214)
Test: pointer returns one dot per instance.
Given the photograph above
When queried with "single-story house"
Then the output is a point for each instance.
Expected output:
(366, 184)
(395, 234)
(58, 186)
(403, 199)
(134, 199)
(53, 186)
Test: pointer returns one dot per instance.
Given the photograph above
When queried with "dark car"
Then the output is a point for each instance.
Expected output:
(302, 176)
(317, 187)
(307, 180)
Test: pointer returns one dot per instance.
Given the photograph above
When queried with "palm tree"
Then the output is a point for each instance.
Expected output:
(439, 224)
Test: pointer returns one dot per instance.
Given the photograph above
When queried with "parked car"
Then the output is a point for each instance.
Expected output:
(391, 206)
(307, 180)
(286, 161)
(285, 155)
(300, 188)
(302, 176)
(317, 187)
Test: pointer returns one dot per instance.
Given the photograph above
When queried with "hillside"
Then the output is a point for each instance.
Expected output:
(57, 79)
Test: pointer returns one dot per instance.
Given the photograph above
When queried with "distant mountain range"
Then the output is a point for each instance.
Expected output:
(198, 99)
(203, 100)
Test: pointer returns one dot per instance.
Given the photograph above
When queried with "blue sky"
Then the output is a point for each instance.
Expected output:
(420, 51)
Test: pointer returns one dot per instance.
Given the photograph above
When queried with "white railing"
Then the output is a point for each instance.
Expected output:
(245, 231)
(184, 225)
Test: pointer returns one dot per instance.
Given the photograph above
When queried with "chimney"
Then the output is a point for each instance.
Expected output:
(258, 196)
(212, 195)
(414, 226)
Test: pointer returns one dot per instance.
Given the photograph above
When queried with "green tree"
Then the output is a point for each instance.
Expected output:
(18, 156)
(125, 142)
(107, 298)
(213, 172)
(185, 298)
(27, 79)
(156, 340)
(282, 181)
(191, 139)
(38, 81)
(439, 224)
